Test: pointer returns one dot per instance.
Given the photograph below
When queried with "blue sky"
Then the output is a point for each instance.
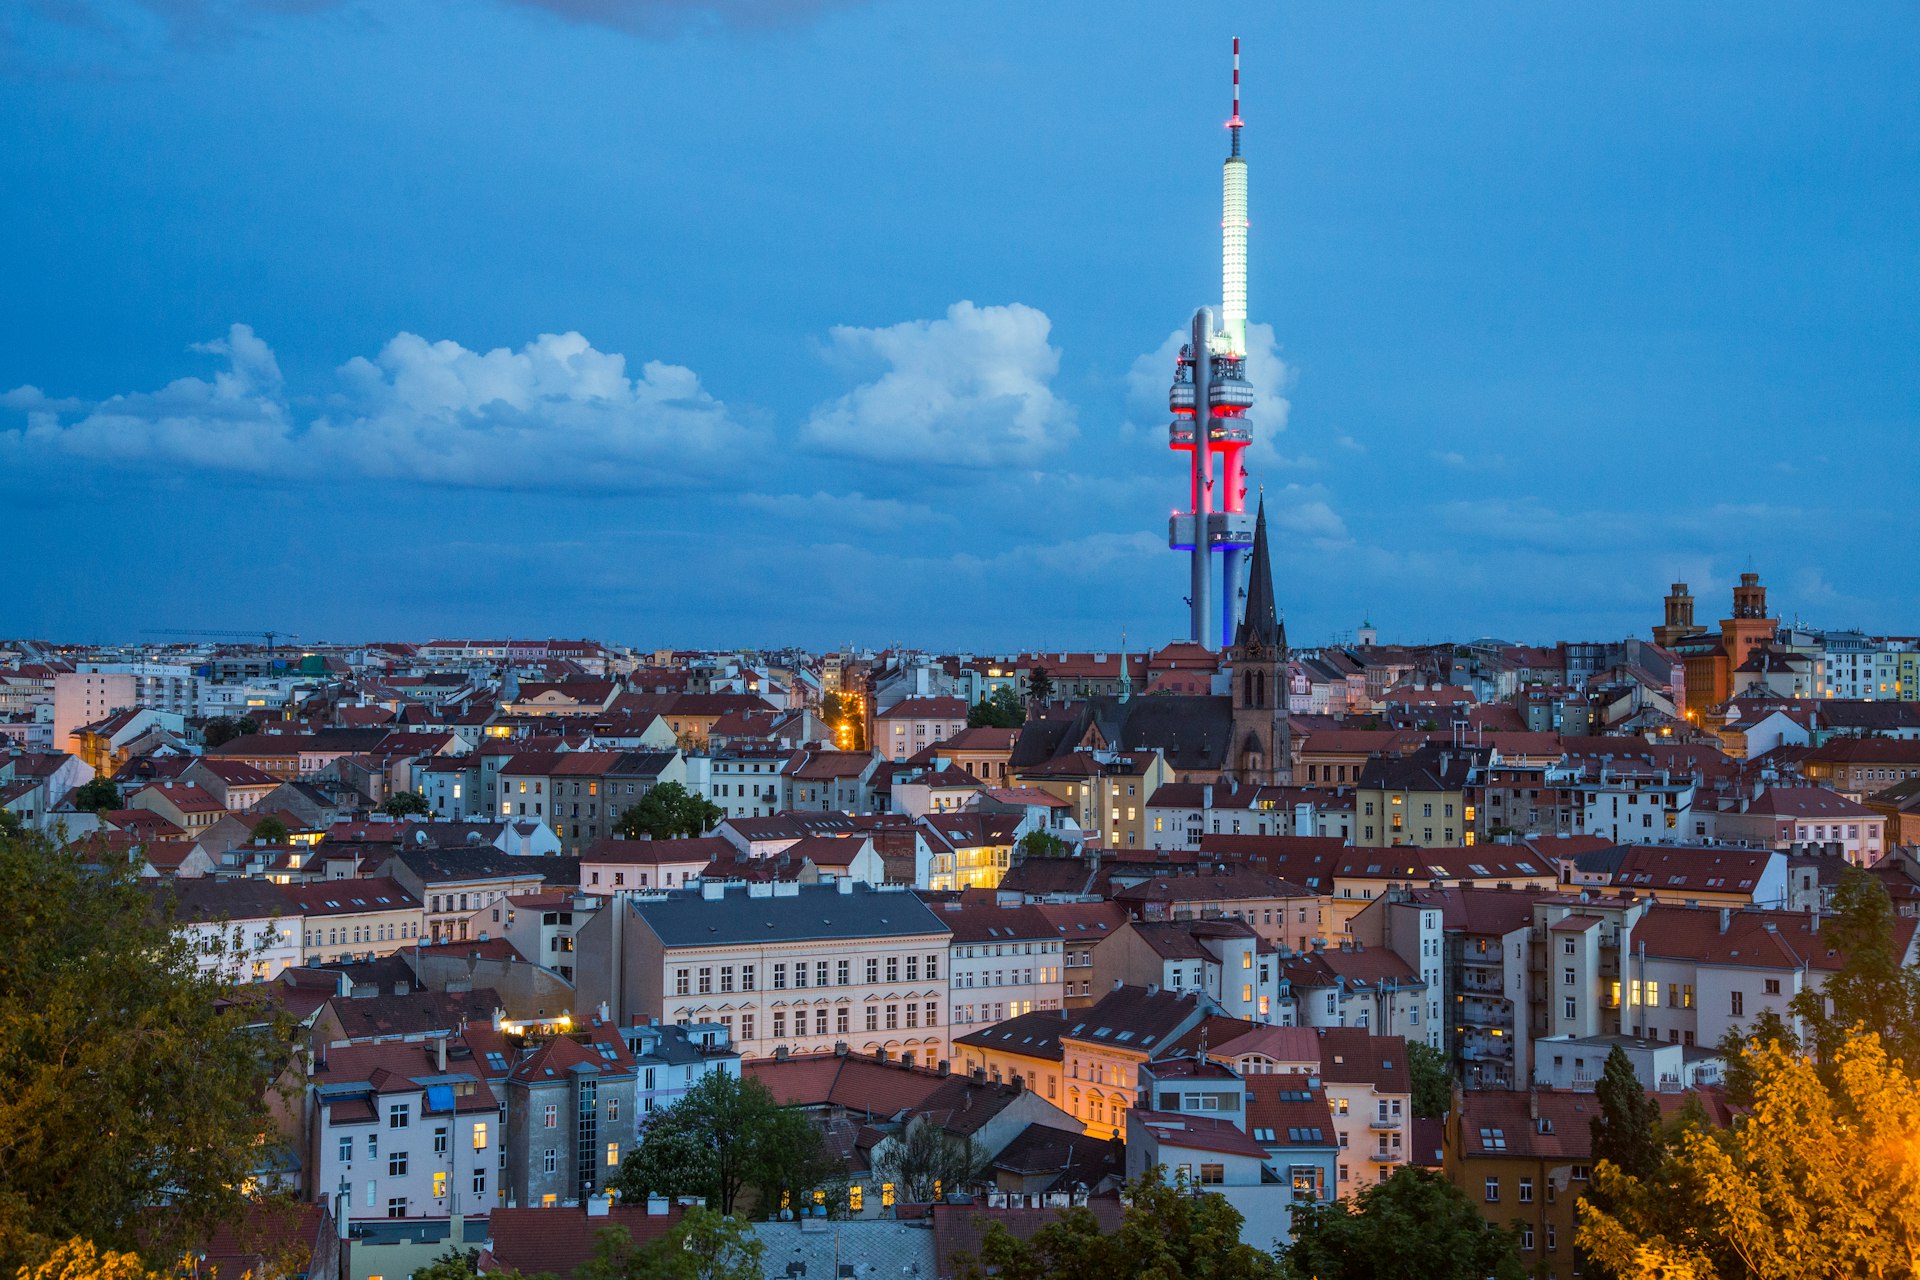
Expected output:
(747, 322)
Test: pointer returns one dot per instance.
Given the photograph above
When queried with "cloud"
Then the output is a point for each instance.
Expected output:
(824, 511)
(553, 414)
(972, 390)
(1303, 511)
(1151, 375)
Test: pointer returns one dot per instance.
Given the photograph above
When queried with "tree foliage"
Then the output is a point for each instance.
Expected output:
(1871, 988)
(703, 1245)
(1167, 1233)
(1432, 1080)
(726, 1135)
(1821, 1179)
(10, 823)
(669, 811)
(270, 831)
(924, 1161)
(79, 1259)
(1039, 687)
(221, 730)
(1042, 844)
(1416, 1223)
(127, 1075)
(406, 804)
(1768, 1028)
(96, 795)
(1627, 1129)
(1000, 709)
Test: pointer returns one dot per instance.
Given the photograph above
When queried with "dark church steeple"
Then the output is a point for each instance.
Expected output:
(1262, 751)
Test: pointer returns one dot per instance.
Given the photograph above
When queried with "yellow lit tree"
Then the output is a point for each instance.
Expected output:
(1820, 1180)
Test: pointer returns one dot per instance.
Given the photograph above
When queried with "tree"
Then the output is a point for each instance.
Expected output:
(78, 1259)
(724, 1135)
(270, 831)
(96, 795)
(451, 1265)
(668, 811)
(1416, 1223)
(1042, 844)
(703, 1245)
(1819, 1180)
(1432, 1080)
(1768, 1028)
(1166, 1233)
(1039, 687)
(221, 730)
(128, 1076)
(10, 824)
(792, 1167)
(1627, 1130)
(1871, 988)
(1000, 709)
(406, 804)
(924, 1161)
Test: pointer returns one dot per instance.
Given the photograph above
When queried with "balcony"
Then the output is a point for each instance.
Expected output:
(1385, 1124)
(1479, 983)
(1480, 1014)
(1386, 1157)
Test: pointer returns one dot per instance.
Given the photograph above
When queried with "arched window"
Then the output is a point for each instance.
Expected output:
(1259, 688)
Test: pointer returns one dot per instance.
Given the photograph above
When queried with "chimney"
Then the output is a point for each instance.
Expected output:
(780, 1053)
(440, 1054)
(1726, 918)
(1533, 1103)
(946, 1067)
(879, 1055)
(840, 1048)
(979, 1075)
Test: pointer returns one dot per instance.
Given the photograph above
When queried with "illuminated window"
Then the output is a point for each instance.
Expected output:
(886, 1195)
(856, 1198)
(480, 1136)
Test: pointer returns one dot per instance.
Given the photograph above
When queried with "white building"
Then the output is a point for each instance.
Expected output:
(779, 965)
(1006, 961)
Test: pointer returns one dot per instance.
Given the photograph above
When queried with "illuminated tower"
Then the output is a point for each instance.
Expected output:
(1209, 399)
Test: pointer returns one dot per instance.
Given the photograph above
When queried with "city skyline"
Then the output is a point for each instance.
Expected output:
(668, 324)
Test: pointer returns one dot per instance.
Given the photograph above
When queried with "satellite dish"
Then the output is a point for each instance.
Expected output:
(420, 837)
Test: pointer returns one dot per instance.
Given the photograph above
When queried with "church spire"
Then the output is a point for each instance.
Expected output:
(1260, 625)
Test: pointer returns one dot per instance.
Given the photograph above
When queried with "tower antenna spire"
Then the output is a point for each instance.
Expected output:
(1234, 123)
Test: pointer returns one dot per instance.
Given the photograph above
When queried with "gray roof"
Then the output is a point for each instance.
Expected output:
(685, 918)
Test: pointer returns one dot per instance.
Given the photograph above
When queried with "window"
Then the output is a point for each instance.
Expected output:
(893, 968)
(346, 1149)
(873, 969)
(551, 1116)
(1212, 1175)
(1773, 986)
(1493, 1190)
(440, 1184)
(479, 1182)
(1526, 1238)
(397, 1207)
(480, 1136)
(550, 1161)
(440, 1141)
(397, 1115)
(726, 978)
(1526, 1191)
(1569, 1008)
(396, 1164)
(1738, 1000)
(873, 1017)
(682, 982)
(856, 1198)
(842, 973)
(780, 977)
(613, 1155)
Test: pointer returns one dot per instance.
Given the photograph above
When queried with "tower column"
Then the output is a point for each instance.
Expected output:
(1202, 562)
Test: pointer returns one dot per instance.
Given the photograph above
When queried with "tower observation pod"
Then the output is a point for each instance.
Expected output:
(1209, 399)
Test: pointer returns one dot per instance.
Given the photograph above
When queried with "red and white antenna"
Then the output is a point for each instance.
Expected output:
(1234, 123)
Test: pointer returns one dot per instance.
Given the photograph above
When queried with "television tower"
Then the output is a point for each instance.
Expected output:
(1209, 398)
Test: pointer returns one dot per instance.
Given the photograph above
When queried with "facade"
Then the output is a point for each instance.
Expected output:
(353, 919)
(572, 1113)
(780, 965)
(1006, 962)
(1524, 1159)
(1106, 1046)
(913, 724)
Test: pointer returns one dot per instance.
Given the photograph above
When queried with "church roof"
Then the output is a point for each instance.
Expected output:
(1260, 625)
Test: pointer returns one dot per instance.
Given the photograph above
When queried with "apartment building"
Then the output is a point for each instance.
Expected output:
(353, 919)
(1006, 961)
(1222, 959)
(780, 965)
(1081, 926)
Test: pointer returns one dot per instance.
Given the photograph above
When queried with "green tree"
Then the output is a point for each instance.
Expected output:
(406, 804)
(924, 1161)
(1042, 844)
(1820, 1179)
(221, 730)
(1768, 1028)
(703, 1245)
(1000, 709)
(1415, 1224)
(129, 1078)
(1166, 1233)
(1039, 687)
(1871, 988)
(1432, 1080)
(10, 823)
(669, 811)
(454, 1264)
(725, 1135)
(1627, 1129)
(96, 795)
(270, 831)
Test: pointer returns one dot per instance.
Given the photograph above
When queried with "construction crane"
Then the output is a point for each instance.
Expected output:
(271, 637)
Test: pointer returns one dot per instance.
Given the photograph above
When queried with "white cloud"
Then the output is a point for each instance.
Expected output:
(971, 389)
(556, 413)
(824, 511)
(1303, 512)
